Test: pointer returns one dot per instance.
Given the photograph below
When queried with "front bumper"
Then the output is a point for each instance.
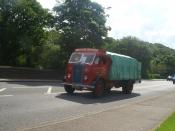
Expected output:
(80, 86)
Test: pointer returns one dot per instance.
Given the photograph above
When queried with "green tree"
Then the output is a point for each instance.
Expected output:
(51, 54)
(22, 31)
(81, 23)
(163, 60)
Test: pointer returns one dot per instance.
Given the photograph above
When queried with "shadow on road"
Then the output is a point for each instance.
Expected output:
(88, 98)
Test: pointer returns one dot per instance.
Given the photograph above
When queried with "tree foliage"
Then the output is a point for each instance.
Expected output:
(21, 30)
(163, 60)
(51, 55)
(81, 23)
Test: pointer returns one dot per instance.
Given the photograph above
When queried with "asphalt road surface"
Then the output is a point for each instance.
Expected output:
(46, 106)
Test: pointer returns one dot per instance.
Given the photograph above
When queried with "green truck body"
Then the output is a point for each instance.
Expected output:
(124, 67)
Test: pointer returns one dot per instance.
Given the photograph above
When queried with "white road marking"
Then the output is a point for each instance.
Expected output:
(49, 90)
(3, 89)
(29, 87)
(5, 95)
(63, 92)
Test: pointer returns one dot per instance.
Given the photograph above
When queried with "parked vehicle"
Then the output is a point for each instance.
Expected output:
(169, 78)
(99, 71)
(173, 79)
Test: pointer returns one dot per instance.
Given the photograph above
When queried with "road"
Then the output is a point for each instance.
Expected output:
(46, 106)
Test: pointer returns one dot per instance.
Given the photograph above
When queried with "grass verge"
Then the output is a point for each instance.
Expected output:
(168, 124)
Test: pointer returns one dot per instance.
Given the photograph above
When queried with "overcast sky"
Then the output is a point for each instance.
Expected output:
(148, 20)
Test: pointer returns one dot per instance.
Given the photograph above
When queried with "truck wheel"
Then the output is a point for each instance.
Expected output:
(69, 89)
(107, 90)
(99, 88)
(124, 90)
(127, 88)
(130, 88)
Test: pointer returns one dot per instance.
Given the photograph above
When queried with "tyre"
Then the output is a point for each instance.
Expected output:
(127, 88)
(99, 88)
(107, 90)
(69, 89)
(124, 89)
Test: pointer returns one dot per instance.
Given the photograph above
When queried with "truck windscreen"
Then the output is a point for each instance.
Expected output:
(83, 58)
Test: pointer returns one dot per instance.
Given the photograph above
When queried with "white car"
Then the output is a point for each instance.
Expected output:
(169, 78)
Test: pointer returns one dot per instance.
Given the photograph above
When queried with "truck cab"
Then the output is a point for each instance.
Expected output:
(85, 67)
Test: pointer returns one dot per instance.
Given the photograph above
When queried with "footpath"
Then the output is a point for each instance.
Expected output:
(143, 115)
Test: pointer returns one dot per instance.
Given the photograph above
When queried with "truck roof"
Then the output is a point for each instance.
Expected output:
(116, 54)
(101, 51)
(91, 50)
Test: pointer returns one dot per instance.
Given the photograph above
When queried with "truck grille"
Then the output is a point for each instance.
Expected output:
(78, 73)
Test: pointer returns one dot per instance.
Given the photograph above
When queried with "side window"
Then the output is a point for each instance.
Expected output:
(103, 60)
(97, 60)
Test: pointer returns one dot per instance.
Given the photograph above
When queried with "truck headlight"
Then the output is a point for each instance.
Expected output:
(85, 77)
(69, 76)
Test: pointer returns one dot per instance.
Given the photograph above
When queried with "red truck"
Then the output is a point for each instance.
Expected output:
(99, 70)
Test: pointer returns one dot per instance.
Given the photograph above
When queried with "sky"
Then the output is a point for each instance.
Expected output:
(149, 20)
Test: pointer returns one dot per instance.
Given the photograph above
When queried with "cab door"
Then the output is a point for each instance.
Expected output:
(99, 67)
